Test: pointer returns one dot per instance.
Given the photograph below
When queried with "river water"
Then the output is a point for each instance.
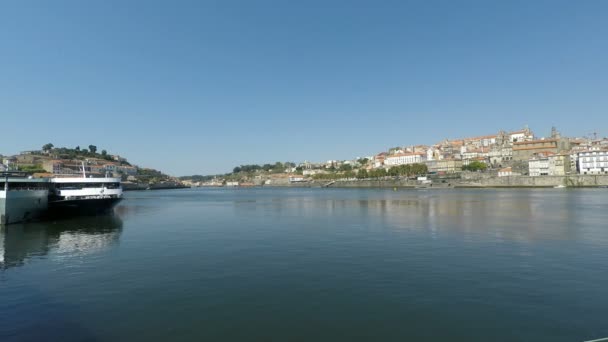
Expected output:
(314, 265)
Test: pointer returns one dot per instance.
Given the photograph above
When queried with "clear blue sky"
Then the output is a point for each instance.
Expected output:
(201, 86)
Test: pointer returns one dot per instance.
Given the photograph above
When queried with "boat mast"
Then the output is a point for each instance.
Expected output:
(84, 173)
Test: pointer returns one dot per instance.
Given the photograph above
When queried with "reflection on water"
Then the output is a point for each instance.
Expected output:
(74, 236)
(522, 215)
(314, 265)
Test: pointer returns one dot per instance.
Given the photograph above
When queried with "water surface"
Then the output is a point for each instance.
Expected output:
(314, 265)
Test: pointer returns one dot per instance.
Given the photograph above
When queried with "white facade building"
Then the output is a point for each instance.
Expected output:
(523, 135)
(538, 166)
(506, 172)
(593, 162)
(296, 179)
(405, 158)
(429, 154)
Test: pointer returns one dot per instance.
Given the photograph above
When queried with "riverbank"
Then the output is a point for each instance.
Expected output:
(126, 186)
(471, 180)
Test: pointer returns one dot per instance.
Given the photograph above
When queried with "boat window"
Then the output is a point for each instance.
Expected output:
(112, 185)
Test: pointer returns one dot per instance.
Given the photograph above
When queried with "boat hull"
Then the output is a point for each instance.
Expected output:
(79, 207)
(22, 205)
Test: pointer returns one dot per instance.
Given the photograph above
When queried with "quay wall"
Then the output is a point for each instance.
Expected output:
(542, 181)
(482, 181)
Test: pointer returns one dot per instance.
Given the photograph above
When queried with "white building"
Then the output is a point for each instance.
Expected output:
(296, 179)
(405, 158)
(313, 172)
(430, 154)
(538, 166)
(593, 162)
(523, 135)
(506, 172)
(467, 153)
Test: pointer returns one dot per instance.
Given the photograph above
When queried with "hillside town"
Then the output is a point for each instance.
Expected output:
(519, 153)
(69, 162)
(503, 154)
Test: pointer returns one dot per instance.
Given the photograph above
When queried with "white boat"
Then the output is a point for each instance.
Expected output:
(77, 195)
(25, 198)
(559, 186)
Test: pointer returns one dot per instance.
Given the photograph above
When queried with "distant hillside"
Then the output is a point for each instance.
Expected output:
(51, 160)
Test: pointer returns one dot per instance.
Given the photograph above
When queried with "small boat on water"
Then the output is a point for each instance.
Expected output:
(559, 186)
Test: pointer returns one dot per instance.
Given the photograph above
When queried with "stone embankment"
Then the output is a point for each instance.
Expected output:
(535, 182)
(128, 186)
(469, 180)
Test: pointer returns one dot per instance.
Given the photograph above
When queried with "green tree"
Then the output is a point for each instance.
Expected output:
(104, 153)
(346, 167)
(362, 173)
(475, 166)
(47, 147)
(93, 148)
(377, 173)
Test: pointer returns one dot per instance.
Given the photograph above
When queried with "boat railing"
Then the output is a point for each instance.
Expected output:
(26, 188)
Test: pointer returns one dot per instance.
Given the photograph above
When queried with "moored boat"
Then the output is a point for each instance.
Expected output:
(77, 196)
(21, 198)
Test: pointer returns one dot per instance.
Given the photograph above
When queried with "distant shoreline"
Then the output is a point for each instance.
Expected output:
(141, 187)
(474, 181)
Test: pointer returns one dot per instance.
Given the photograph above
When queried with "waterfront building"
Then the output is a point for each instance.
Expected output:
(539, 165)
(593, 162)
(405, 158)
(549, 164)
(444, 166)
(559, 164)
(296, 179)
(506, 172)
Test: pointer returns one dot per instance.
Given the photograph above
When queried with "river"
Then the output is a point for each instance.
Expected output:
(289, 264)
